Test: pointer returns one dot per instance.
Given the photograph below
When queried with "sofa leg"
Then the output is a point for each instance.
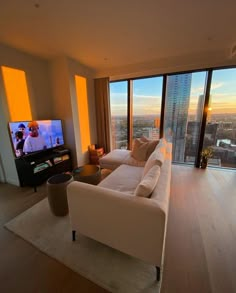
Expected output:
(73, 235)
(158, 273)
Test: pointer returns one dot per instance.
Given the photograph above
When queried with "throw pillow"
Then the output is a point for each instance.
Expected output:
(144, 139)
(156, 158)
(152, 145)
(148, 183)
(139, 151)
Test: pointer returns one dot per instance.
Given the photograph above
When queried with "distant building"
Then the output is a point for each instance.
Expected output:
(200, 107)
(157, 123)
(154, 133)
(176, 112)
(192, 139)
(210, 134)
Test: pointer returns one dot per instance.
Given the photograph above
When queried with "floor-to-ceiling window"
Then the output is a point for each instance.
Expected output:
(145, 96)
(119, 115)
(175, 105)
(146, 107)
(183, 113)
(220, 131)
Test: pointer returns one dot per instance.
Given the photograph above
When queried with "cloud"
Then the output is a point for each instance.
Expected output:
(217, 85)
(146, 101)
(197, 90)
(145, 97)
(200, 90)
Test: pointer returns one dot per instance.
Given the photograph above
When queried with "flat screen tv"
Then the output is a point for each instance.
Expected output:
(33, 136)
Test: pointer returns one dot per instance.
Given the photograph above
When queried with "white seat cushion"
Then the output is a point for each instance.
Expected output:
(114, 159)
(125, 179)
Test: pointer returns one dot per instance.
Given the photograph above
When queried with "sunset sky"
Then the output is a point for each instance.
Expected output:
(147, 94)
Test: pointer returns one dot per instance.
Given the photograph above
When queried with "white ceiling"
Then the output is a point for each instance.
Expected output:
(114, 33)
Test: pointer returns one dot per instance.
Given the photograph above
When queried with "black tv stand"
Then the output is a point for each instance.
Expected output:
(34, 169)
(61, 151)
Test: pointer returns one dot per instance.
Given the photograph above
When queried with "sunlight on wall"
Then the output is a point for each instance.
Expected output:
(17, 94)
(82, 101)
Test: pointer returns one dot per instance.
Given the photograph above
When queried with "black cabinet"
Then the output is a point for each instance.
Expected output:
(34, 169)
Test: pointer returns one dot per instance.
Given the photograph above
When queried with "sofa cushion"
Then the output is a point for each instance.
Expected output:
(156, 158)
(139, 150)
(114, 159)
(125, 179)
(151, 145)
(133, 162)
(148, 183)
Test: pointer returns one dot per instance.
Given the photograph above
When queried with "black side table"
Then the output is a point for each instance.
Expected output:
(88, 173)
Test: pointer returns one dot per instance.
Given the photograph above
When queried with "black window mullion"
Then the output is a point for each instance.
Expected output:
(163, 100)
(130, 114)
(204, 118)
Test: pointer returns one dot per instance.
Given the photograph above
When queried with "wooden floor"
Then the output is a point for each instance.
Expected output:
(200, 245)
(201, 235)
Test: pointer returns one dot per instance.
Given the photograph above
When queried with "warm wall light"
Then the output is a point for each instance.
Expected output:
(82, 102)
(17, 94)
(209, 108)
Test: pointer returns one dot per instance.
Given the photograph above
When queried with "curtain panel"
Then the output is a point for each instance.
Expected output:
(102, 102)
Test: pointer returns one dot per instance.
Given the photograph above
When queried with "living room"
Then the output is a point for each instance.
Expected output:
(32, 43)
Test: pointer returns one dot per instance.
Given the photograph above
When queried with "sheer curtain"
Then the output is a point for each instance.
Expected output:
(102, 102)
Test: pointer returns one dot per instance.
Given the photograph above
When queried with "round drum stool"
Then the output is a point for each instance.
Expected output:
(57, 196)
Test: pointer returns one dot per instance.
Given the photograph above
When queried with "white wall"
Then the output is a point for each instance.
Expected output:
(61, 101)
(63, 71)
(37, 75)
(7, 164)
(76, 68)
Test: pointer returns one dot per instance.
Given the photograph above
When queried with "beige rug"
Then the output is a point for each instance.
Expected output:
(109, 268)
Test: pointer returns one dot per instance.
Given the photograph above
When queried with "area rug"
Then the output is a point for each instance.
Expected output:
(107, 267)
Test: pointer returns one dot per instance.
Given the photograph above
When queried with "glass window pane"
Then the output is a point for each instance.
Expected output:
(147, 94)
(183, 114)
(220, 133)
(118, 104)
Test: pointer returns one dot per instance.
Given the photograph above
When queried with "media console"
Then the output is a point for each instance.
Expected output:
(36, 168)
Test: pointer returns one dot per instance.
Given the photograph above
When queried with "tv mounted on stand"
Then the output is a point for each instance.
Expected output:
(28, 137)
(39, 150)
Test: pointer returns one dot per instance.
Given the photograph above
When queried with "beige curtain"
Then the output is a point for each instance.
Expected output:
(102, 102)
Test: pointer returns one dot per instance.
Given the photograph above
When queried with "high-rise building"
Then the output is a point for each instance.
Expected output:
(176, 112)
(200, 109)
(157, 123)
(154, 133)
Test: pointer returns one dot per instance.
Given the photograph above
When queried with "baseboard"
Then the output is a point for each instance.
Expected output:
(13, 181)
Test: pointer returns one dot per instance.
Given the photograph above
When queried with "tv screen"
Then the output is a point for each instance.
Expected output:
(32, 136)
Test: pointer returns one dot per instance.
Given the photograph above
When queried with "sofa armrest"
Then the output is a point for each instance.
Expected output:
(131, 224)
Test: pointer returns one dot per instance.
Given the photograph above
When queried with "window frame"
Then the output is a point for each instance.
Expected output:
(209, 72)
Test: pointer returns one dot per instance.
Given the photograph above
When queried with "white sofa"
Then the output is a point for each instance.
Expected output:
(116, 211)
